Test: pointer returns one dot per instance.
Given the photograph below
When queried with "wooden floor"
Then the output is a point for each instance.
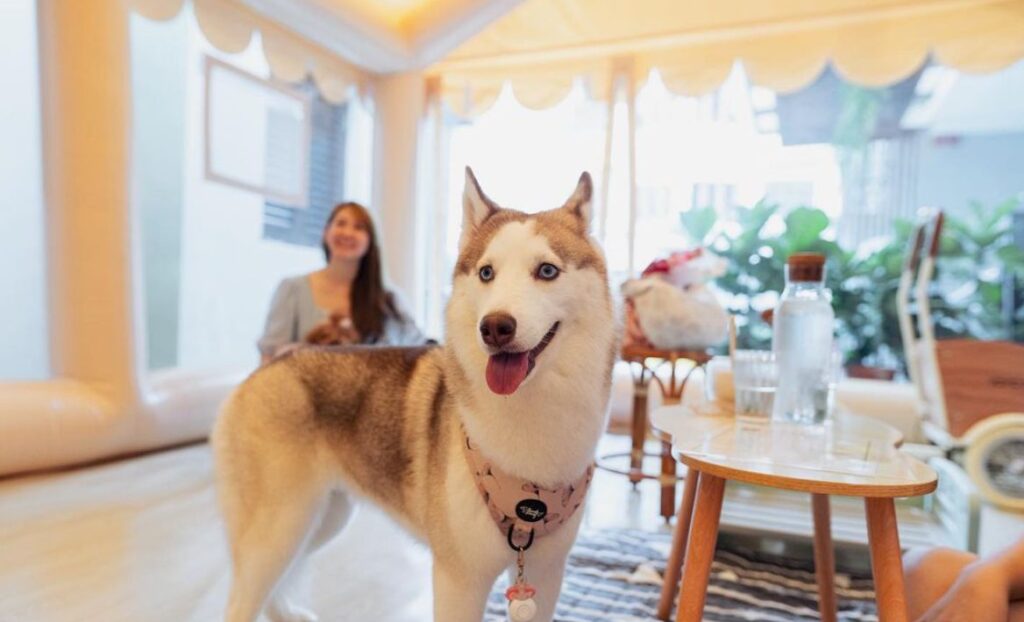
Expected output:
(140, 540)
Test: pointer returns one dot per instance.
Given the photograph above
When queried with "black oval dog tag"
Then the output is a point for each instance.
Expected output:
(531, 510)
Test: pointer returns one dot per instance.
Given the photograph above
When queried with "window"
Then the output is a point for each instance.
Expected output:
(326, 159)
(23, 321)
(757, 175)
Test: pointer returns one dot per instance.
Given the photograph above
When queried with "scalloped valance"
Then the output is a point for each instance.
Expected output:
(229, 26)
(541, 47)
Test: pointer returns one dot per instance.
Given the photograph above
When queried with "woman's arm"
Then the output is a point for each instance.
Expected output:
(282, 321)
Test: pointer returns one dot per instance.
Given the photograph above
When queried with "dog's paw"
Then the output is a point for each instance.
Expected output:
(290, 612)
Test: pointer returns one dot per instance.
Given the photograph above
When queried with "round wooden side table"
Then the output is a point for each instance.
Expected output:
(644, 364)
(854, 456)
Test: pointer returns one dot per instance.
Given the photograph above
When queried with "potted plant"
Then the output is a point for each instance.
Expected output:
(976, 253)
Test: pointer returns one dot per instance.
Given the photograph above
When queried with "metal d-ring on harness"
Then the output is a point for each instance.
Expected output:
(513, 545)
(521, 606)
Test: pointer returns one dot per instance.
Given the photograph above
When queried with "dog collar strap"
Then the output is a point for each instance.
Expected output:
(521, 508)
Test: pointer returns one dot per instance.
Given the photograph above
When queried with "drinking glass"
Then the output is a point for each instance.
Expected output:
(820, 390)
(755, 377)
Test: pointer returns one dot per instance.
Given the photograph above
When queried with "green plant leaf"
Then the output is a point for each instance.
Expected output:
(698, 222)
(1012, 258)
(999, 212)
(902, 227)
(753, 219)
(991, 293)
(804, 226)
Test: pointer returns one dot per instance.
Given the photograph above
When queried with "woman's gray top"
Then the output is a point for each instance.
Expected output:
(293, 314)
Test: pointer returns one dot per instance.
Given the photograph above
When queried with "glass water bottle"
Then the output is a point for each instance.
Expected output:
(802, 342)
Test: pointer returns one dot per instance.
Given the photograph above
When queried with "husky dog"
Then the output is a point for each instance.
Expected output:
(523, 380)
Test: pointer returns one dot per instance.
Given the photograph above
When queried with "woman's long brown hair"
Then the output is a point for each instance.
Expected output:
(371, 303)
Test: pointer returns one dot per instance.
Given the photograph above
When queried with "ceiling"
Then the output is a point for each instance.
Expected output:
(385, 36)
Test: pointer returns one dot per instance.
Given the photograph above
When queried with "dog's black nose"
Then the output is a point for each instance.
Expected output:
(498, 329)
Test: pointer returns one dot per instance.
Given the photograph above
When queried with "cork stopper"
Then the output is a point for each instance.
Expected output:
(806, 267)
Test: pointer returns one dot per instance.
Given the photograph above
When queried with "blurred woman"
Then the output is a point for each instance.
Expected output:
(349, 288)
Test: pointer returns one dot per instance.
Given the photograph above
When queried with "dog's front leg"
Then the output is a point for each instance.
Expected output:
(544, 573)
(545, 566)
(459, 596)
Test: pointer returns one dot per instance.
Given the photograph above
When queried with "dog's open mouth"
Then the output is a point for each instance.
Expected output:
(507, 370)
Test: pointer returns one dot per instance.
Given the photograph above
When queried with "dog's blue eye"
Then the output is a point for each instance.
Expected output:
(486, 273)
(548, 271)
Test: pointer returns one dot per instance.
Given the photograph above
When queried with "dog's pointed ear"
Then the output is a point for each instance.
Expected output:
(581, 204)
(476, 208)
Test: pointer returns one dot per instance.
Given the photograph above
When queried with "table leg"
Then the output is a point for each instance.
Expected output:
(824, 558)
(886, 565)
(639, 432)
(670, 586)
(668, 480)
(670, 396)
(700, 548)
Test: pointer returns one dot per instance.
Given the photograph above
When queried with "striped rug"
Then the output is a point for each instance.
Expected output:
(615, 576)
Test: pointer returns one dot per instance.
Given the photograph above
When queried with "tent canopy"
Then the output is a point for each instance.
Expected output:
(474, 46)
(541, 46)
(229, 26)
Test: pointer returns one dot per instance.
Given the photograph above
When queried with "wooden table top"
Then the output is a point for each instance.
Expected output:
(851, 455)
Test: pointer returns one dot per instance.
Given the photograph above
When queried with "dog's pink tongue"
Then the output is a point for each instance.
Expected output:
(506, 371)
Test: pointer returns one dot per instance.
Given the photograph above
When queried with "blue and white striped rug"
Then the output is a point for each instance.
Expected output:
(614, 576)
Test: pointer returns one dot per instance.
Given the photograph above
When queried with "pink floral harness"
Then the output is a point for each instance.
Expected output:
(522, 509)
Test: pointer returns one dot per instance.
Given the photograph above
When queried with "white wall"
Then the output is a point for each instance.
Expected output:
(358, 178)
(24, 353)
(228, 271)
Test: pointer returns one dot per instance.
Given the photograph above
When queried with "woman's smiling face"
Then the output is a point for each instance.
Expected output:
(347, 236)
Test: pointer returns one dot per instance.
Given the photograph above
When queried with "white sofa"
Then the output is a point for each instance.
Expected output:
(56, 423)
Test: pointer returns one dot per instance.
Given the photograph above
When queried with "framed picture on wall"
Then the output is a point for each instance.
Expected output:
(257, 134)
